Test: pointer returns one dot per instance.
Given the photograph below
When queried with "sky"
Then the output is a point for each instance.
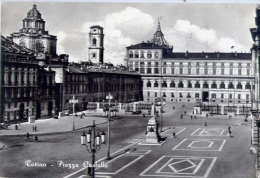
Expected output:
(195, 27)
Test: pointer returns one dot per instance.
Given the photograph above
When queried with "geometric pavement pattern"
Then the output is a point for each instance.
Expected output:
(180, 166)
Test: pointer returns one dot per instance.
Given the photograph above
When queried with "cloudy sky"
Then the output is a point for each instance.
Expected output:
(195, 27)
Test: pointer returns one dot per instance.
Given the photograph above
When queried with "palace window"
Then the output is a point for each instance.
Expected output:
(230, 85)
(188, 95)
(172, 95)
(230, 71)
(239, 85)
(149, 70)
(142, 70)
(142, 54)
(197, 85)
(164, 70)
(222, 85)
(136, 54)
(148, 94)
(248, 71)
(164, 84)
(172, 70)
(239, 72)
(222, 71)
(155, 84)
(131, 54)
(189, 70)
(180, 84)
(197, 71)
(205, 85)
(172, 84)
(214, 71)
(149, 54)
(181, 70)
(156, 70)
(214, 85)
(189, 84)
(213, 95)
(248, 86)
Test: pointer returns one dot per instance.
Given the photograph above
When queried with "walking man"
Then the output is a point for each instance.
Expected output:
(229, 131)
(181, 116)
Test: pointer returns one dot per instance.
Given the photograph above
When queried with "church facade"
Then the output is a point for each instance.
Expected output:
(34, 36)
(213, 78)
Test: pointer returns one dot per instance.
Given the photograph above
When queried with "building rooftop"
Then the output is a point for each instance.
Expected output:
(99, 68)
(10, 46)
(209, 55)
(144, 45)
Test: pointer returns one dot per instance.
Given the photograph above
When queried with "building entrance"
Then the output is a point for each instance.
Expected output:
(205, 96)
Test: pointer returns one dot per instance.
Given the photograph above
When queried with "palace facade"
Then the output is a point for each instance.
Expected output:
(211, 77)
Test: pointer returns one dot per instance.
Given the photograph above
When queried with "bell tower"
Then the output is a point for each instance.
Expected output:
(96, 44)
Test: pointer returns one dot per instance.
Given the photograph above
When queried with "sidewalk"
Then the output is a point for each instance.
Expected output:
(64, 124)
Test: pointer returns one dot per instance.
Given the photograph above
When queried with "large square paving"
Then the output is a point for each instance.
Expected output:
(201, 144)
(210, 132)
(180, 166)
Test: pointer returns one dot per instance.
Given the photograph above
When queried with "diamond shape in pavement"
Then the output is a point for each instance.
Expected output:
(200, 144)
(182, 165)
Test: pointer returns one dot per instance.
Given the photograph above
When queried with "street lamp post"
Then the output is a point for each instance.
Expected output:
(73, 101)
(94, 140)
(162, 98)
(109, 97)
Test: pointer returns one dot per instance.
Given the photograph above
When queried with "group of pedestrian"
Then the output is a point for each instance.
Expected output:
(34, 128)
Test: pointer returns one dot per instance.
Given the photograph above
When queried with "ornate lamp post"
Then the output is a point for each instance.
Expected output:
(94, 141)
(108, 127)
(73, 101)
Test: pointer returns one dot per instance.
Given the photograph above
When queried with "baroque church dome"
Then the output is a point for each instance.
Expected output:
(34, 14)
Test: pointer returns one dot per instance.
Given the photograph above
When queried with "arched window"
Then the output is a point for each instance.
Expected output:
(94, 42)
(131, 55)
(180, 84)
(39, 47)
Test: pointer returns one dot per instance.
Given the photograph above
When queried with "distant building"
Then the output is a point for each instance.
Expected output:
(26, 87)
(33, 35)
(215, 78)
(38, 82)
(96, 44)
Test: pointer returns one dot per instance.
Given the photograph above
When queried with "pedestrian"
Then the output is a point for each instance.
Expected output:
(181, 116)
(190, 117)
(173, 108)
(19, 123)
(185, 112)
(16, 127)
(27, 135)
(173, 135)
(229, 131)
(36, 138)
(206, 124)
(35, 128)
(207, 115)
(81, 116)
(194, 117)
